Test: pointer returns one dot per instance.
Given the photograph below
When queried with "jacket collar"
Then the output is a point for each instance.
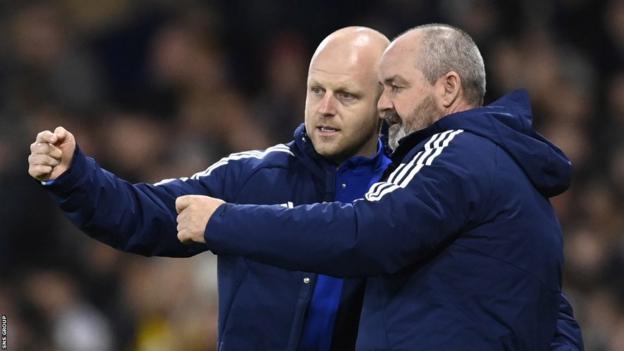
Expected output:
(362, 162)
(410, 141)
(304, 144)
(306, 153)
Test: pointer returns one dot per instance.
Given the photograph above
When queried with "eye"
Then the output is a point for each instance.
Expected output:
(395, 88)
(345, 96)
(316, 90)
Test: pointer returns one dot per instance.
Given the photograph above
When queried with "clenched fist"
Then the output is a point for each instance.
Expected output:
(51, 154)
(194, 212)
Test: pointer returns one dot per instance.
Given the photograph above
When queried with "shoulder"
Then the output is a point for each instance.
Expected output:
(453, 151)
(449, 144)
(275, 156)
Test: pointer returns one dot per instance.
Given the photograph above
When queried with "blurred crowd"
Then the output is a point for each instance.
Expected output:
(157, 89)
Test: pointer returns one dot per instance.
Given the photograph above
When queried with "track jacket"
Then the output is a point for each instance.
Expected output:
(261, 307)
(460, 244)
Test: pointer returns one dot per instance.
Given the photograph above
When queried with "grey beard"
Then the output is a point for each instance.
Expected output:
(396, 132)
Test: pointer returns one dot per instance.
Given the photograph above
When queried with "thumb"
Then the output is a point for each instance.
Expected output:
(182, 202)
(66, 143)
(62, 135)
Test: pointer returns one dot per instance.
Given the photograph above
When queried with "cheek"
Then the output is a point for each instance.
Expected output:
(402, 106)
(362, 128)
(407, 107)
(310, 105)
(308, 116)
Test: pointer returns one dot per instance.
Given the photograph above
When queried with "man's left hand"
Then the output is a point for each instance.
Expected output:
(194, 212)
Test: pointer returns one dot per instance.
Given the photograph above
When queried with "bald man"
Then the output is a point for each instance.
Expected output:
(336, 156)
(459, 242)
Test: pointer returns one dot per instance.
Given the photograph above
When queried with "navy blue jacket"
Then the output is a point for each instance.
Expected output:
(461, 246)
(261, 307)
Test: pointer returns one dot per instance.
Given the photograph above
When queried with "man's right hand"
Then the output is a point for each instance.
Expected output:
(51, 154)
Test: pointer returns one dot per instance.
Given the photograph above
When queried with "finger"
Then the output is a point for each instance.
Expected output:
(46, 149)
(184, 237)
(39, 148)
(46, 137)
(41, 159)
(181, 222)
(39, 171)
(61, 134)
(184, 234)
(182, 202)
(55, 152)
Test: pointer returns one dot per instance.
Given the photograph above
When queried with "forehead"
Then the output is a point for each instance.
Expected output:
(343, 73)
(396, 55)
(397, 61)
(334, 78)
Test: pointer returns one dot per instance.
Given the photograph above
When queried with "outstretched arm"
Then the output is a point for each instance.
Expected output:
(139, 218)
(419, 209)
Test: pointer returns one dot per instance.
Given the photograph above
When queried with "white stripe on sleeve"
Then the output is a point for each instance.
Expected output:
(236, 156)
(402, 175)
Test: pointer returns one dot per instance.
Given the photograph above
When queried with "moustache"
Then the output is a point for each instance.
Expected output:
(391, 117)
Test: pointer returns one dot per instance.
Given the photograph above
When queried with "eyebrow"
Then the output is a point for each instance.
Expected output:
(341, 87)
(395, 78)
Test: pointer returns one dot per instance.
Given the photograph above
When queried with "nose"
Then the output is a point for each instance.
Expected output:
(384, 103)
(327, 106)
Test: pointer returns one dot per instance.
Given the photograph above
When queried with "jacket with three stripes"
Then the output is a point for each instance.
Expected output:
(261, 307)
(460, 244)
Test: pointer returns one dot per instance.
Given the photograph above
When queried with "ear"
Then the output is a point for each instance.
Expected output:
(449, 87)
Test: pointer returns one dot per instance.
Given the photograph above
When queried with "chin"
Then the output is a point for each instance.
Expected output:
(330, 153)
(396, 132)
(327, 152)
(324, 147)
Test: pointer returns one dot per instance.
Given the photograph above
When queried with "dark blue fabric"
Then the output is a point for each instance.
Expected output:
(460, 244)
(319, 323)
(353, 178)
(261, 307)
(568, 336)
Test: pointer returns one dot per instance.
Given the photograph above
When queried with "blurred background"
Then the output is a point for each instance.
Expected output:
(163, 88)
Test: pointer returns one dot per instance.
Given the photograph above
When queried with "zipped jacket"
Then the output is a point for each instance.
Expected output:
(261, 307)
(460, 245)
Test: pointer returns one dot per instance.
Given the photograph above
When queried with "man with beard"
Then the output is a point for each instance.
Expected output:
(459, 242)
(336, 156)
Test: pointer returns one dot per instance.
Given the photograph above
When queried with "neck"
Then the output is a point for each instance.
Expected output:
(460, 106)
(369, 150)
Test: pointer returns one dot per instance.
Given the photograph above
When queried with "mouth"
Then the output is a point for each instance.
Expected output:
(327, 130)
(392, 118)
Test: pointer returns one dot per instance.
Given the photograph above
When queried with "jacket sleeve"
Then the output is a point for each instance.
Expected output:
(138, 218)
(568, 335)
(420, 208)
